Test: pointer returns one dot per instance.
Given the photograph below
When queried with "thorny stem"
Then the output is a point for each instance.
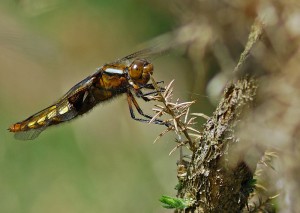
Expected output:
(175, 117)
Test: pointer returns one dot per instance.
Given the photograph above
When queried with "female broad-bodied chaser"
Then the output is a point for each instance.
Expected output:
(127, 75)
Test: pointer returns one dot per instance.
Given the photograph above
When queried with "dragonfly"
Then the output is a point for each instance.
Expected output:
(128, 75)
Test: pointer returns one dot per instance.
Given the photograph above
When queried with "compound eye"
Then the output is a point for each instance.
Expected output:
(136, 69)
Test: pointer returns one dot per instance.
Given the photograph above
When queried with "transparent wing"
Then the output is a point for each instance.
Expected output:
(82, 85)
(29, 134)
(163, 44)
(148, 53)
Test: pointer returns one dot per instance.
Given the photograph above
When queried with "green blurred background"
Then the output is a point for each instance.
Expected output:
(104, 161)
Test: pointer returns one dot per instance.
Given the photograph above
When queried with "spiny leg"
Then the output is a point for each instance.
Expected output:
(150, 86)
(142, 95)
(130, 100)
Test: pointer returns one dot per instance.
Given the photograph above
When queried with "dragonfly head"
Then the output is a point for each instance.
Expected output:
(140, 70)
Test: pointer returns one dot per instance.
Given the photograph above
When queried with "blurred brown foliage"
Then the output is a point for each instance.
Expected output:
(272, 122)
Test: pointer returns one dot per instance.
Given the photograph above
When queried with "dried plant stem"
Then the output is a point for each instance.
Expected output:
(179, 126)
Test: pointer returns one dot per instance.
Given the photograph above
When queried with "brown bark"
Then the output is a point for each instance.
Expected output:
(216, 181)
(213, 183)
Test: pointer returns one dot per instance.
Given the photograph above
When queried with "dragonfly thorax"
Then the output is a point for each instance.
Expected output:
(140, 70)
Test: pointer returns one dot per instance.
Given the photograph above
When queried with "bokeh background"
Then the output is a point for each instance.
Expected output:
(104, 161)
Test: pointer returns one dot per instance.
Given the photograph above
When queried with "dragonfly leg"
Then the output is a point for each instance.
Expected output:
(149, 93)
(131, 100)
(142, 95)
(150, 86)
